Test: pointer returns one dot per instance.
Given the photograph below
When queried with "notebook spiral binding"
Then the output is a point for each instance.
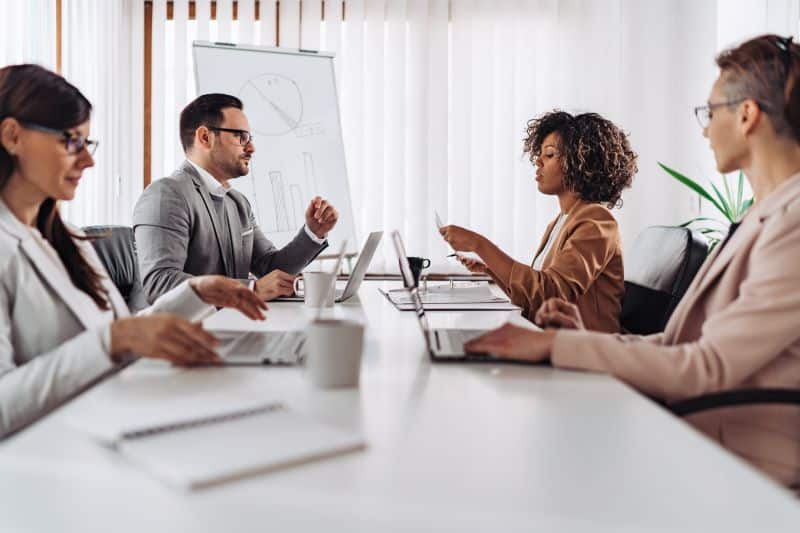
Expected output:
(224, 417)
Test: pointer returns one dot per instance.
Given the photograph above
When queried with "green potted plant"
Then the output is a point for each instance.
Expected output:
(732, 207)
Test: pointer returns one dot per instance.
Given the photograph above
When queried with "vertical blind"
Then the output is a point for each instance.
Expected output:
(103, 48)
(28, 32)
(434, 95)
(434, 99)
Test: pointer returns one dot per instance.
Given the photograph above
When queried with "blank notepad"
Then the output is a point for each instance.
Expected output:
(199, 453)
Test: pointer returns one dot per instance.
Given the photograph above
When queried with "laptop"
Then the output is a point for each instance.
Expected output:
(356, 277)
(256, 348)
(444, 345)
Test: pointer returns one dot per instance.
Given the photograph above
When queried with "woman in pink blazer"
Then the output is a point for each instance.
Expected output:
(737, 325)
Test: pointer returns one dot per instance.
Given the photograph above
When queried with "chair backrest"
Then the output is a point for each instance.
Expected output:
(117, 250)
(658, 270)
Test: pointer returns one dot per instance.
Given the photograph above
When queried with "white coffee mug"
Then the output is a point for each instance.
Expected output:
(318, 288)
(333, 352)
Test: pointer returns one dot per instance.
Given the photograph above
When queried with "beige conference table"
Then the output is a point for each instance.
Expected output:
(476, 447)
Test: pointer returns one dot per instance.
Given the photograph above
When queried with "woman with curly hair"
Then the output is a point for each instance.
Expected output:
(586, 161)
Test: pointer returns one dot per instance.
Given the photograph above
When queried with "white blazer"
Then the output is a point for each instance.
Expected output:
(54, 340)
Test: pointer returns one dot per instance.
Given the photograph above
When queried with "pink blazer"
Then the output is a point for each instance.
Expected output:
(737, 326)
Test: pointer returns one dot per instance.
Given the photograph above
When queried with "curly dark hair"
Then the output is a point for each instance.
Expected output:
(596, 157)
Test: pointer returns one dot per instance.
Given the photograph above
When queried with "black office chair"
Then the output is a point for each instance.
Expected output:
(117, 250)
(658, 270)
(732, 398)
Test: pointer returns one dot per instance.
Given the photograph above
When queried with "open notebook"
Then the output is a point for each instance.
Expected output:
(201, 451)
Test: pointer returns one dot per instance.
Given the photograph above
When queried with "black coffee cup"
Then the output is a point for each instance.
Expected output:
(417, 264)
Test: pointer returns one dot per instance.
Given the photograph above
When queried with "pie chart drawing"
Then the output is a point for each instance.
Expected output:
(274, 104)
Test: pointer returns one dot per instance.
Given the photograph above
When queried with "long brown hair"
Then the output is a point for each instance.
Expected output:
(766, 69)
(30, 93)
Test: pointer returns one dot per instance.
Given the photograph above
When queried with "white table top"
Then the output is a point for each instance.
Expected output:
(450, 447)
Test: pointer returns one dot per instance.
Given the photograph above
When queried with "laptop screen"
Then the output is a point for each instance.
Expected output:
(364, 258)
(408, 281)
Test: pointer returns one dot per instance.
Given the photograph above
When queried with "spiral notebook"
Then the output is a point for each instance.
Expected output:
(202, 451)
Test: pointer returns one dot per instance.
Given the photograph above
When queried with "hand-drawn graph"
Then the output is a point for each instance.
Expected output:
(278, 105)
(286, 201)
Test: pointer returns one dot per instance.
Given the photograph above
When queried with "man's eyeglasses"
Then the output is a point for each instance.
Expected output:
(74, 143)
(705, 112)
(244, 136)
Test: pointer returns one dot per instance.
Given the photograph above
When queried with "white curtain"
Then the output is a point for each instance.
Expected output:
(103, 50)
(28, 32)
(435, 96)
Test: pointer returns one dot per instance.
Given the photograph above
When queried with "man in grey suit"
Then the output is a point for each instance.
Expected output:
(192, 223)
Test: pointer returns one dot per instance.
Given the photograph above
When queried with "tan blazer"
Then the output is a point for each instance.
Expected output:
(737, 326)
(583, 266)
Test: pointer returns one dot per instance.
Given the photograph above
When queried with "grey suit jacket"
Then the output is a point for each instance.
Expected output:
(54, 340)
(178, 236)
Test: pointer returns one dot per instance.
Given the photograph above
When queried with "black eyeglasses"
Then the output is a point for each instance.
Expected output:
(705, 112)
(74, 143)
(244, 136)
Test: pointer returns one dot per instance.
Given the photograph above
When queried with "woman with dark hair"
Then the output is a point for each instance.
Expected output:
(586, 161)
(736, 326)
(63, 324)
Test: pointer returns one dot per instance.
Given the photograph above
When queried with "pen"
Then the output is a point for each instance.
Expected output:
(453, 255)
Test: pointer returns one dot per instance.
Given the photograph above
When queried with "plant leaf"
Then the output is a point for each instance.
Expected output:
(739, 196)
(726, 208)
(692, 185)
(705, 231)
(702, 219)
(747, 205)
(728, 194)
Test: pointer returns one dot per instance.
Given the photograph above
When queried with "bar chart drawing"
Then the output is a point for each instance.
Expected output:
(281, 212)
(310, 174)
(292, 107)
(296, 194)
(286, 200)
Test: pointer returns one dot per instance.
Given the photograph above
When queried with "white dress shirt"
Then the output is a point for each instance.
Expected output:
(215, 188)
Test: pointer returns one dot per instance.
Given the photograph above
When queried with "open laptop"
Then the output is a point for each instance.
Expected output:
(256, 348)
(446, 345)
(356, 277)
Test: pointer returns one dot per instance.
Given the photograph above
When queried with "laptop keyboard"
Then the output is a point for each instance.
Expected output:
(278, 347)
(459, 337)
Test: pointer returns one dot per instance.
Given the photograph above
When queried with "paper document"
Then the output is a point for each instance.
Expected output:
(461, 297)
(439, 226)
(439, 223)
(197, 452)
(444, 294)
(455, 255)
